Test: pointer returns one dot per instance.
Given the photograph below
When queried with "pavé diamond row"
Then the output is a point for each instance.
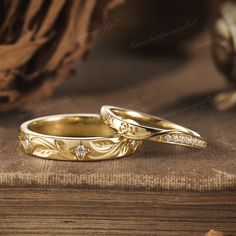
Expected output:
(184, 140)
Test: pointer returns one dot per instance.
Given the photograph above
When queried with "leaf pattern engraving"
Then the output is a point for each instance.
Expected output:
(25, 142)
(49, 148)
(111, 149)
(102, 145)
(61, 145)
(106, 148)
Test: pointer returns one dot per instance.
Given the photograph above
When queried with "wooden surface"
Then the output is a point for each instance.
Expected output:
(83, 212)
(35, 59)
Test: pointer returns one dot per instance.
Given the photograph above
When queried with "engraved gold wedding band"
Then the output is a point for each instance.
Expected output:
(139, 126)
(74, 137)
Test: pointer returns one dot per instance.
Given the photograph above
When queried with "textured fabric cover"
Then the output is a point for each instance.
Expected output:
(179, 89)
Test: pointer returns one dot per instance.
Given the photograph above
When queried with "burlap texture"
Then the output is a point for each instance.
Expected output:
(179, 89)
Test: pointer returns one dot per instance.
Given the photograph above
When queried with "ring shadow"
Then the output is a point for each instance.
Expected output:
(191, 106)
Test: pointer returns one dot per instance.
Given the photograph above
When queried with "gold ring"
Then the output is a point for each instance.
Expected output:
(74, 137)
(139, 126)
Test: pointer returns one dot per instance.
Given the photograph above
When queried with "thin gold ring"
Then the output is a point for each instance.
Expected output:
(73, 137)
(139, 126)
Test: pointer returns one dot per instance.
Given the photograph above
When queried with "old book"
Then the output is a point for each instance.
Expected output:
(162, 190)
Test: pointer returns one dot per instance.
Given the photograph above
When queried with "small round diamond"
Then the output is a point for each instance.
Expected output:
(81, 151)
(194, 141)
(181, 138)
(188, 140)
(168, 138)
(199, 142)
(204, 144)
(175, 138)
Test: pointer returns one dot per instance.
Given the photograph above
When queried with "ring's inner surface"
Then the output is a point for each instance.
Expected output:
(145, 119)
(75, 126)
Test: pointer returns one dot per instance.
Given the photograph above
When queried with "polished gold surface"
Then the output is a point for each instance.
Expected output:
(74, 137)
(140, 126)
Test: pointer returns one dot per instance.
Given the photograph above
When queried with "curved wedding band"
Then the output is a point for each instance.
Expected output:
(74, 137)
(139, 126)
